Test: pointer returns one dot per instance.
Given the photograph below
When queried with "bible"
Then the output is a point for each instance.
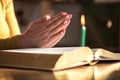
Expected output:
(56, 58)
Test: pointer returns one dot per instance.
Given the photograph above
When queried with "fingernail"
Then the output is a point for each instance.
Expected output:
(47, 16)
(62, 32)
(67, 17)
(63, 13)
(70, 16)
(65, 22)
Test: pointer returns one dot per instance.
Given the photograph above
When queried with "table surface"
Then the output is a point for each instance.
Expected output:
(100, 71)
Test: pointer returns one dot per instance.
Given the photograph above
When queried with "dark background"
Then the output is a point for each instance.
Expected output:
(97, 13)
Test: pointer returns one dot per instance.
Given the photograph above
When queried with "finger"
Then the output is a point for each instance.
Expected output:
(47, 17)
(59, 21)
(55, 39)
(53, 19)
(39, 22)
(44, 18)
(60, 27)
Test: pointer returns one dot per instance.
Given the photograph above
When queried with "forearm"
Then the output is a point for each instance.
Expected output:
(10, 43)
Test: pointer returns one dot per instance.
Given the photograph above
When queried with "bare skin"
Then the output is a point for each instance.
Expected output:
(46, 32)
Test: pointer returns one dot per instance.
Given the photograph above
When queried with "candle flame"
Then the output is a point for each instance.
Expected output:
(82, 20)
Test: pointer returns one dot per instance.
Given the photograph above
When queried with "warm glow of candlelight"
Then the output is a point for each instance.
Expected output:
(82, 20)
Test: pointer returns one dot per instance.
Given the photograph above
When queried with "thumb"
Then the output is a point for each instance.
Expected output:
(47, 16)
(43, 18)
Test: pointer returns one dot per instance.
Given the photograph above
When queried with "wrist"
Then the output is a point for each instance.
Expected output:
(23, 41)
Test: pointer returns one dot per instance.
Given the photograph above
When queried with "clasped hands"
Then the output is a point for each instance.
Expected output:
(46, 31)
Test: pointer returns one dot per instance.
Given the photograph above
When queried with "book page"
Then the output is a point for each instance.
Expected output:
(55, 50)
(81, 56)
(103, 54)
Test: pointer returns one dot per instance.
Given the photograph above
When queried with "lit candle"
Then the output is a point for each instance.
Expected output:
(83, 32)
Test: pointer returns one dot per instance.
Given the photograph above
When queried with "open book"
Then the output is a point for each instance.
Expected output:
(54, 58)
